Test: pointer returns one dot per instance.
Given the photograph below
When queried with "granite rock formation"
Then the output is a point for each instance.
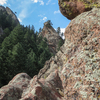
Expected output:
(72, 74)
(72, 8)
(10, 12)
(52, 37)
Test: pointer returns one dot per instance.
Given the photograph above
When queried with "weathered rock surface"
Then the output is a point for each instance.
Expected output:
(52, 37)
(10, 12)
(72, 74)
(15, 88)
(72, 8)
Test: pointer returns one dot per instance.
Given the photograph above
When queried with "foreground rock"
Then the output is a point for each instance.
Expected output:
(15, 88)
(22, 87)
(72, 8)
(74, 72)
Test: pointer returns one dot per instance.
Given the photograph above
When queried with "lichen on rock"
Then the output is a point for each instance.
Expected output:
(72, 8)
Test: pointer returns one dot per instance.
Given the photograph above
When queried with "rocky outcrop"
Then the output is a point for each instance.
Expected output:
(14, 17)
(72, 74)
(22, 87)
(52, 37)
(72, 8)
(2, 8)
(10, 12)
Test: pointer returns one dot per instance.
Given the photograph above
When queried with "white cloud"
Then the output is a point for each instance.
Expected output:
(20, 20)
(41, 15)
(24, 9)
(23, 13)
(48, 2)
(36, 1)
(55, 12)
(62, 31)
(2, 2)
(41, 2)
(45, 18)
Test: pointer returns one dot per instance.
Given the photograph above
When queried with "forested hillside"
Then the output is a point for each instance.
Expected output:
(21, 50)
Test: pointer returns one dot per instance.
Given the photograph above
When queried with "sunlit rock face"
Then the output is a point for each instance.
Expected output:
(72, 8)
(72, 74)
(81, 74)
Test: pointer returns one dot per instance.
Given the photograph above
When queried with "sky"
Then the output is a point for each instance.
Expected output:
(36, 12)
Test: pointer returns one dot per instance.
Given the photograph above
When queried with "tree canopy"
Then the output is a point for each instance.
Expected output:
(21, 49)
(49, 23)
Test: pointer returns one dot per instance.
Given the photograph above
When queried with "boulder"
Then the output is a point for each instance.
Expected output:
(15, 88)
(22, 87)
(72, 8)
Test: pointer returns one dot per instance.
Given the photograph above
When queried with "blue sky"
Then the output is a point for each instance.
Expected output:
(36, 12)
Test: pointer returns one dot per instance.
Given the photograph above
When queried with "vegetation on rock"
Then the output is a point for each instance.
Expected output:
(49, 23)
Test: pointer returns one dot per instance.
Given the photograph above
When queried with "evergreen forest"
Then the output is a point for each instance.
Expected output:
(21, 49)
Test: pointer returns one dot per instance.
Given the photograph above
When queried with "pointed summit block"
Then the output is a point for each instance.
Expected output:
(52, 37)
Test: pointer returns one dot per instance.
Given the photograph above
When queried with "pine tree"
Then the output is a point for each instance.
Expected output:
(58, 30)
(31, 66)
(60, 43)
(49, 24)
(40, 30)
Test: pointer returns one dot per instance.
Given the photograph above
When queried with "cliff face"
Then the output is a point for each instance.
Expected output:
(10, 12)
(72, 74)
(52, 37)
